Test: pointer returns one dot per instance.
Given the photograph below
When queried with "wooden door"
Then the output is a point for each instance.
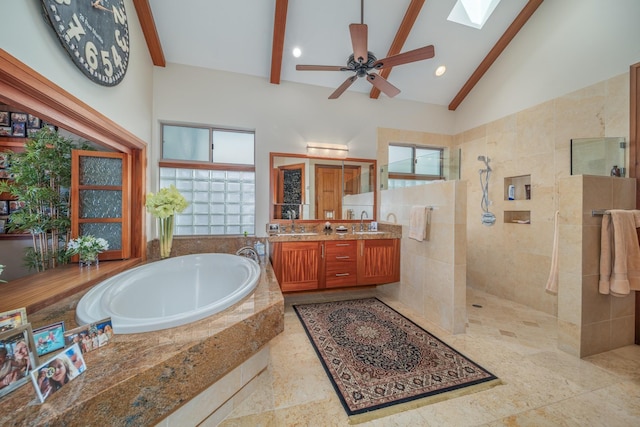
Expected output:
(289, 191)
(351, 179)
(297, 265)
(378, 261)
(100, 196)
(328, 192)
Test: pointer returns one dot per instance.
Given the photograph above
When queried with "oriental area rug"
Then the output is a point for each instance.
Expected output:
(381, 363)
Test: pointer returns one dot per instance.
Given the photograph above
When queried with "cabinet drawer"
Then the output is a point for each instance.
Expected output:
(341, 250)
(341, 274)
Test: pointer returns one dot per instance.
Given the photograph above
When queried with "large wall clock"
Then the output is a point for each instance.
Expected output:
(95, 33)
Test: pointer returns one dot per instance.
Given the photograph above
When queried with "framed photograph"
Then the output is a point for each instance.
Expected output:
(5, 130)
(18, 118)
(3, 223)
(18, 129)
(4, 207)
(57, 372)
(4, 118)
(15, 205)
(17, 358)
(92, 336)
(33, 122)
(4, 159)
(49, 338)
(12, 319)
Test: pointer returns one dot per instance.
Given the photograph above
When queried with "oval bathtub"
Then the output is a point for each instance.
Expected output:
(169, 293)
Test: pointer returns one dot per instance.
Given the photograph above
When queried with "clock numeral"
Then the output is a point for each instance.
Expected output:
(121, 42)
(117, 59)
(119, 16)
(91, 55)
(67, 2)
(108, 68)
(75, 29)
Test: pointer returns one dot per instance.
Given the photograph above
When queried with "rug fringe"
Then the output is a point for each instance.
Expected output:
(401, 407)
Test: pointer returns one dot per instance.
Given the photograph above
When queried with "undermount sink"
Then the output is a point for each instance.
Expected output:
(297, 234)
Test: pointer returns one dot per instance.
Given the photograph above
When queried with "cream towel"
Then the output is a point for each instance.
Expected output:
(552, 281)
(418, 223)
(619, 253)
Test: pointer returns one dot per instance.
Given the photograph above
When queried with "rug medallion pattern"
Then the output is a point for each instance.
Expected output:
(375, 357)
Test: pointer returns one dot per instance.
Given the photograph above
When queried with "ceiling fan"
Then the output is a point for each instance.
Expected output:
(362, 62)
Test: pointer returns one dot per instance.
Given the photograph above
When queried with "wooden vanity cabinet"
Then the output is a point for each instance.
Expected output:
(341, 268)
(297, 265)
(378, 261)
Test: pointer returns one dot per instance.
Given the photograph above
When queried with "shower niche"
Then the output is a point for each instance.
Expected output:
(517, 191)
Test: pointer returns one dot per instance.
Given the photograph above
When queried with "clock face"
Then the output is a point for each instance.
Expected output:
(95, 34)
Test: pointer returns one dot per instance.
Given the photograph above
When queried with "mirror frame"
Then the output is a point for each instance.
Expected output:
(305, 157)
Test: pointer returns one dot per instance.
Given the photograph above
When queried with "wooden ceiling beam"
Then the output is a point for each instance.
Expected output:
(401, 37)
(517, 24)
(145, 16)
(279, 25)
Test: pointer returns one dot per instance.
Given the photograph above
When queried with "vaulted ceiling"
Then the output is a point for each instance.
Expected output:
(256, 37)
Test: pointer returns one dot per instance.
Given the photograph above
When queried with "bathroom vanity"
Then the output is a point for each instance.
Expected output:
(316, 262)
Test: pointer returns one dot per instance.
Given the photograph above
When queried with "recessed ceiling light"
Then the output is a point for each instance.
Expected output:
(297, 52)
(440, 70)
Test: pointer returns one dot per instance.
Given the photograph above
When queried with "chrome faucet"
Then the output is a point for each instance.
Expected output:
(292, 217)
(362, 215)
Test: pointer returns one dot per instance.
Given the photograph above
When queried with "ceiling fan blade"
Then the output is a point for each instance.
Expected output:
(419, 54)
(359, 42)
(383, 85)
(344, 86)
(321, 68)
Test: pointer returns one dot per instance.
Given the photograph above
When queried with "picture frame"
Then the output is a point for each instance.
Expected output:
(92, 336)
(33, 122)
(49, 338)
(4, 207)
(15, 205)
(18, 129)
(3, 223)
(12, 319)
(4, 159)
(18, 118)
(5, 118)
(57, 372)
(17, 358)
(5, 130)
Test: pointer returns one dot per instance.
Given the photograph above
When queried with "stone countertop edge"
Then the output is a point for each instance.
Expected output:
(139, 379)
(385, 231)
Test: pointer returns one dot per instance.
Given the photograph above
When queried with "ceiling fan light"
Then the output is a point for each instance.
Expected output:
(440, 70)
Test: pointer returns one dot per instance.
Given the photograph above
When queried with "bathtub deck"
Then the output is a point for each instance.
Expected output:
(40, 290)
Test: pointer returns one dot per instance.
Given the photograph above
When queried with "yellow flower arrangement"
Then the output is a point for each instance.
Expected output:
(164, 205)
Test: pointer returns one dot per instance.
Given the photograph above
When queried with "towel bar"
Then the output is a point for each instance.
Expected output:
(599, 212)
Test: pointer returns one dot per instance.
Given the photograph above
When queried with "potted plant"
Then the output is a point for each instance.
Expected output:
(164, 205)
(41, 181)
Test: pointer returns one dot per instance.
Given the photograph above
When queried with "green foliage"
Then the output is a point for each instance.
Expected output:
(41, 180)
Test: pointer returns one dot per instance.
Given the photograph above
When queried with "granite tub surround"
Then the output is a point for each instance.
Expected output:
(140, 379)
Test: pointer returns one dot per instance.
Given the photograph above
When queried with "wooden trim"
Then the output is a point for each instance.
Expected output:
(401, 37)
(279, 25)
(24, 88)
(517, 24)
(183, 164)
(145, 16)
(634, 140)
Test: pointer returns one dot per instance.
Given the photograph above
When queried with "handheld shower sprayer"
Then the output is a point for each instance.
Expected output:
(488, 218)
(486, 161)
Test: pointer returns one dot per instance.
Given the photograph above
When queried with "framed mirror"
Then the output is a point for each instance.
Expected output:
(319, 188)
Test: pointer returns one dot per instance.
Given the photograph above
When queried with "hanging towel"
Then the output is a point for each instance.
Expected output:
(619, 253)
(418, 223)
(552, 282)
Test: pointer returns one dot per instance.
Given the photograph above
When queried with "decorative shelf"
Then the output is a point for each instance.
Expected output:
(522, 187)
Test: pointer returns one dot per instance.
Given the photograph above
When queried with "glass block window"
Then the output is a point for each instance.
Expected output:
(221, 193)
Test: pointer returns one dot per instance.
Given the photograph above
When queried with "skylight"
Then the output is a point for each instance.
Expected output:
(473, 13)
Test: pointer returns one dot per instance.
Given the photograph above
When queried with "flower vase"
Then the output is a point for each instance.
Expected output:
(88, 260)
(166, 236)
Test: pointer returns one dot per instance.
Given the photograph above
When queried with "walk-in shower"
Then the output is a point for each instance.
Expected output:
(488, 218)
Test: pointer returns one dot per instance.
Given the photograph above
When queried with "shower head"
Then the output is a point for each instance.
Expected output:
(486, 161)
(482, 158)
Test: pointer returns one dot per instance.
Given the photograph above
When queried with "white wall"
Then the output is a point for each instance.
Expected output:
(283, 116)
(27, 35)
(565, 46)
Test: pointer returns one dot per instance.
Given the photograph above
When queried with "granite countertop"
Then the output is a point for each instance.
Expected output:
(315, 233)
(139, 379)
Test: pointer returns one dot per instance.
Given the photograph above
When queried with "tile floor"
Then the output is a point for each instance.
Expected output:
(542, 386)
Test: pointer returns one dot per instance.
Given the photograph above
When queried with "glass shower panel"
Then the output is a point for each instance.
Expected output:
(599, 156)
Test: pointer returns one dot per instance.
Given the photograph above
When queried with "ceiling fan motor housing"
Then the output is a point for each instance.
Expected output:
(361, 69)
